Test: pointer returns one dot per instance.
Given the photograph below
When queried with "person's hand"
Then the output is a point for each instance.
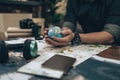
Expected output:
(68, 36)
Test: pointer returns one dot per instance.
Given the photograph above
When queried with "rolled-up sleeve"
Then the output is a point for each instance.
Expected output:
(114, 30)
(69, 25)
(112, 23)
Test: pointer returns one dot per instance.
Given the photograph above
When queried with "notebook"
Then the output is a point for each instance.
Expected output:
(59, 62)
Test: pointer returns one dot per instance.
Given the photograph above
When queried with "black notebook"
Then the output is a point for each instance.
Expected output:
(59, 62)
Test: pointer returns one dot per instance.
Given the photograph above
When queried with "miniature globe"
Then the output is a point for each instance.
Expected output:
(55, 31)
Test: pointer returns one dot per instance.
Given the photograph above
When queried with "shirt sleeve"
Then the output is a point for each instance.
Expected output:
(112, 24)
(70, 18)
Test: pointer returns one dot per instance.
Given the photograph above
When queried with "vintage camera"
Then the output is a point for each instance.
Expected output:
(26, 23)
(29, 24)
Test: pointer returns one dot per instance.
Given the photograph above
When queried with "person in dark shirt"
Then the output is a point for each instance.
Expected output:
(99, 19)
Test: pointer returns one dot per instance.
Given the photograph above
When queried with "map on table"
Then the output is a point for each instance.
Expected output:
(81, 53)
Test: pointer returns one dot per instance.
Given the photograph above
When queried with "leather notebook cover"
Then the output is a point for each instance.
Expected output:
(112, 53)
(59, 62)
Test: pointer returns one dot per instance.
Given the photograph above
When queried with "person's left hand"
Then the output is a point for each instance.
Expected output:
(55, 41)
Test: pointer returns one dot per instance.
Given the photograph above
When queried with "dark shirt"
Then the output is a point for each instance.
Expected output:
(94, 16)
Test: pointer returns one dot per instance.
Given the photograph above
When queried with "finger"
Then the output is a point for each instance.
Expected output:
(66, 32)
(45, 32)
(60, 40)
(50, 41)
(66, 28)
(46, 29)
(46, 36)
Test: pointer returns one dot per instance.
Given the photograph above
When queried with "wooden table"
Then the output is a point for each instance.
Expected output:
(82, 70)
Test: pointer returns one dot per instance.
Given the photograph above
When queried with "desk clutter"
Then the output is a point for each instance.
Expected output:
(81, 53)
(20, 25)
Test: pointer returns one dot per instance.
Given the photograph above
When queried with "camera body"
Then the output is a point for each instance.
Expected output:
(26, 23)
(29, 24)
